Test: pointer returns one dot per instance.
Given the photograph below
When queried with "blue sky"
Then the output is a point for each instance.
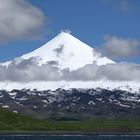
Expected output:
(88, 20)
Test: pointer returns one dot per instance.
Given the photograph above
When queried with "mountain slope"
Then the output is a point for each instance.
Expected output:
(68, 52)
(83, 103)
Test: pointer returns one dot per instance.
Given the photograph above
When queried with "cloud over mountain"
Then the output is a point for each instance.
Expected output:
(28, 71)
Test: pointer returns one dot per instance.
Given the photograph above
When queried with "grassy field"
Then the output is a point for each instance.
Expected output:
(15, 123)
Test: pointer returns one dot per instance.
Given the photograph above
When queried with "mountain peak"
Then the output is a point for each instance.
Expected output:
(66, 36)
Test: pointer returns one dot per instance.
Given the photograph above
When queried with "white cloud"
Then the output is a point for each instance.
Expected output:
(19, 19)
(28, 71)
(86, 73)
(21, 70)
(113, 72)
(120, 72)
(119, 47)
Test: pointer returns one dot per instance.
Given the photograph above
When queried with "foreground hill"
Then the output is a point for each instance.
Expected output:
(12, 122)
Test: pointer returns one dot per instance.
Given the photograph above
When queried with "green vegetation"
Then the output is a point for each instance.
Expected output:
(17, 123)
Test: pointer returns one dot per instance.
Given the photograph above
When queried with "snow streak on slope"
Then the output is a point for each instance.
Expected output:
(66, 51)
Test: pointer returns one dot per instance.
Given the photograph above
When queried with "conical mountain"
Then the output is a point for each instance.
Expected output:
(66, 51)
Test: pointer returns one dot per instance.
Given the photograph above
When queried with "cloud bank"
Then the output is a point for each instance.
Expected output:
(28, 71)
(19, 19)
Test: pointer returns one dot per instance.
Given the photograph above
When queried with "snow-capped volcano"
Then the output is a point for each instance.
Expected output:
(66, 51)
(49, 68)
